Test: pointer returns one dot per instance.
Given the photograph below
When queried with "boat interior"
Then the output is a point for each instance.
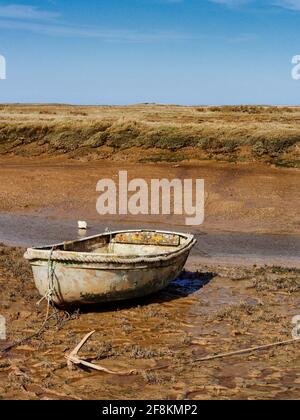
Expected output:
(127, 243)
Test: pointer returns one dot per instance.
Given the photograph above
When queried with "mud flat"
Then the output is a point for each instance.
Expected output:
(251, 214)
(221, 303)
(213, 310)
(239, 198)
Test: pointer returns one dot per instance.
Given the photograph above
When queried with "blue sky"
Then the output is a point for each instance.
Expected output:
(165, 51)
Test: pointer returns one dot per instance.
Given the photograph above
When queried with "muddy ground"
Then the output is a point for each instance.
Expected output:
(210, 309)
(238, 198)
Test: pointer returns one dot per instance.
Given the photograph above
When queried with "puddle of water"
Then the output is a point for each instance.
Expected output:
(239, 248)
(28, 231)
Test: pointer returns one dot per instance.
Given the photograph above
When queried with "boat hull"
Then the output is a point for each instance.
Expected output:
(109, 267)
(84, 283)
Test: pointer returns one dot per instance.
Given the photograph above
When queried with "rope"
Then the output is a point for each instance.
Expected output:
(51, 289)
(30, 337)
(48, 296)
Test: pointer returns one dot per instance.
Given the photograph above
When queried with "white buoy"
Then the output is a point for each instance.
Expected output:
(82, 225)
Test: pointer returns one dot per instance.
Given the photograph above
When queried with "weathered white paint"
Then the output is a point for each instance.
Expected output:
(105, 268)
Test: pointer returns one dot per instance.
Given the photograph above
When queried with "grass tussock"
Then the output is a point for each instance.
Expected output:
(13, 263)
(277, 279)
(241, 133)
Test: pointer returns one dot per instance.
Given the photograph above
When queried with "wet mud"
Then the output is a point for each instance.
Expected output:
(238, 197)
(210, 309)
(226, 300)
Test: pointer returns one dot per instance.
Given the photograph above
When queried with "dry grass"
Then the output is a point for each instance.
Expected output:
(12, 261)
(277, 279)
(242, 133)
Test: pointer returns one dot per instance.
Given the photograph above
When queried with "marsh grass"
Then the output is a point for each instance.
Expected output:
(12, 262)
(268, 134)
(277, 279)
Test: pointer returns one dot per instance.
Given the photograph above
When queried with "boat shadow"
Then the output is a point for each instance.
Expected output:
(188, 283)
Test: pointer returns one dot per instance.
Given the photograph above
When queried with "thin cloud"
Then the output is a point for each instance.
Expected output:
(284, 4)
(33, 19)
(92, 32)
(170, 1)
(167, 1)
(231, 3)
(18, 11)
(288, 4)
(111, 35)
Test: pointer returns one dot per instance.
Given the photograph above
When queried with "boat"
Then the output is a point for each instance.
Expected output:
(112, 266)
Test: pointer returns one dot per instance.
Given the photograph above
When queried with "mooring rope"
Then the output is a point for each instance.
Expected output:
(51, 288)
(50, 281)
(49, 297)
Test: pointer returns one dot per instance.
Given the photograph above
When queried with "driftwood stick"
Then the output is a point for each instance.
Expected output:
(81, 344)
(99, 368)
(73, 359)
(246, 351)
(75, 351)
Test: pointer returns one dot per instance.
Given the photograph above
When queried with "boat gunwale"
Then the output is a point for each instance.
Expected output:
(48, 252)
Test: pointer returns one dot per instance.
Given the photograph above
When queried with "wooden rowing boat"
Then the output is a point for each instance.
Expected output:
(109, 267)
